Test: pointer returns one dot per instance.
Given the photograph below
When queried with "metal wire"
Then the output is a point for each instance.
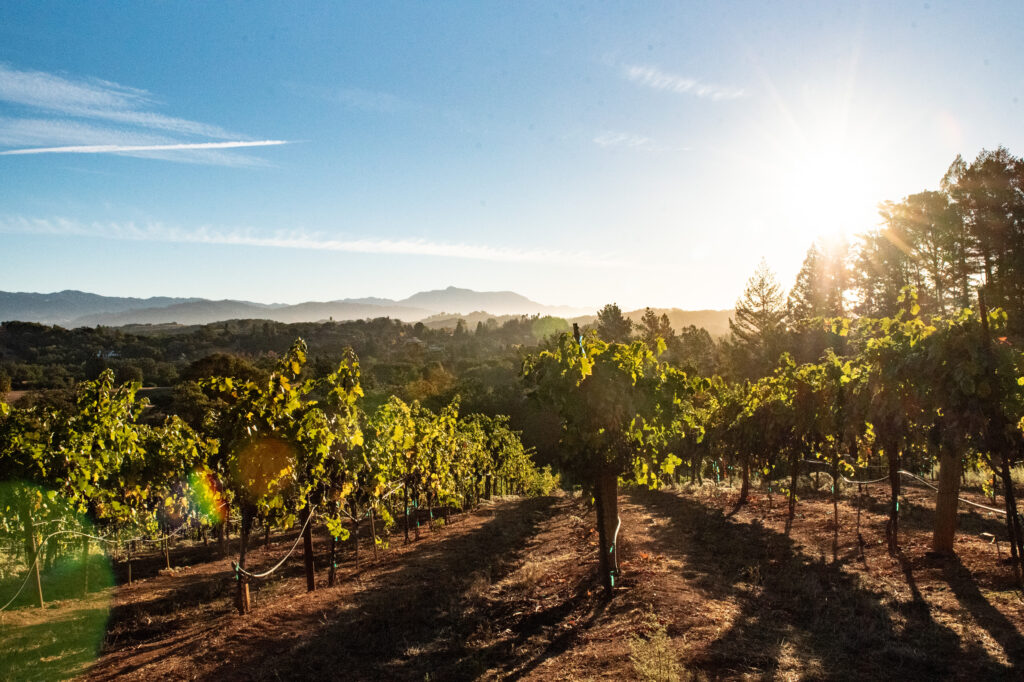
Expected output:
(239, 569)
(973, 504)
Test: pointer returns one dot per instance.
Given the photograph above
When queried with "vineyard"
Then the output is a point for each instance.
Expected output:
(854, 466)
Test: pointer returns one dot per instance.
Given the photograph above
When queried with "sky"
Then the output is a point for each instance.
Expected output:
(643, 153)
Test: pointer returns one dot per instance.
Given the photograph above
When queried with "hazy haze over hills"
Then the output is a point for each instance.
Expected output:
(64, 306)
(439, 308)
(79, 309)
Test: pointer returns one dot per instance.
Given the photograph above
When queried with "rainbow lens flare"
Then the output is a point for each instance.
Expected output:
(205, 495)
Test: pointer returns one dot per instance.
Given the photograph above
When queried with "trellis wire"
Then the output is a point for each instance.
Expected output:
(239, 569)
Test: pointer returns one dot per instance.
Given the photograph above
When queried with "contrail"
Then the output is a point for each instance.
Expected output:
(115, 148)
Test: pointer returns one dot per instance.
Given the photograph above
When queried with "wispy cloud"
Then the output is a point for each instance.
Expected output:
(615, 139)
(96, 116)
(653, 77)
(293, 239)
(611, 139)
(114, 148)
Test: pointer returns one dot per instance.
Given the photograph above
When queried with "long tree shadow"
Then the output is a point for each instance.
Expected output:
(914, 516)
(137, 621)
(966, 590)
(414, 618)
(798, 612)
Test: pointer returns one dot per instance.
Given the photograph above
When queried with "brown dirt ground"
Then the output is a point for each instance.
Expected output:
(509, 592)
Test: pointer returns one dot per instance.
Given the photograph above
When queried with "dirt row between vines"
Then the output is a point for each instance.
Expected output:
(509, 592)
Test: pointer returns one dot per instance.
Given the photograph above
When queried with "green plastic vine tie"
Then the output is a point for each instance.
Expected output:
(235, 566)
(897, 505)
(612, 577)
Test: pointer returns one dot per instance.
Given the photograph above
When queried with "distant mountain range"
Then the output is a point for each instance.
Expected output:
(80, 309)
(439, 308)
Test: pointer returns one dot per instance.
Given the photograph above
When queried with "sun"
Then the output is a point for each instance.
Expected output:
(827, 191)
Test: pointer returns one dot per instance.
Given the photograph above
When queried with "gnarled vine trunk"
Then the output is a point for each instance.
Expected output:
(946, 501)
(606, 498)
(1013, 526)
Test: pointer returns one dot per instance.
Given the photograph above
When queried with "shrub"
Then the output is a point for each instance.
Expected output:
(652, 656)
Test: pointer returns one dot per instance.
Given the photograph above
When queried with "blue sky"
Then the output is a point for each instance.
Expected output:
(644, 153)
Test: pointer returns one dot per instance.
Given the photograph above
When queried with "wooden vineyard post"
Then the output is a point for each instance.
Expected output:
(242, 600)
(31, 551)
(244, 603)
(167, 553)
(307, 546)
(85, 566)
(745, 481)
(416, 514)
(860, 488)
(334, 562)
(373, 535)
(892, 527)
(35, 566)
(835, 505)
(355, 539)
(405, 503)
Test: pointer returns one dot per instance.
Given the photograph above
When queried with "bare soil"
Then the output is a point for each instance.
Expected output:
(510, 591)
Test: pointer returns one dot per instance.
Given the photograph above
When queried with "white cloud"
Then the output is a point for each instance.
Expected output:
(113, 148)
(614, 139)
(97, 116)
(298, 240)
(94, 99)
(38, 132)
(653, 77)
(611, 139)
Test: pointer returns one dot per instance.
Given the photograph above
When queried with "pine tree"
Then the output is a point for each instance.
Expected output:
(612, 325)
(758, 328)
(652, 327)
(820, 287)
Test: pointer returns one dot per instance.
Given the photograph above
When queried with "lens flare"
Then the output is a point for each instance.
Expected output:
(263, 467)
(205, 496)
(65, 568)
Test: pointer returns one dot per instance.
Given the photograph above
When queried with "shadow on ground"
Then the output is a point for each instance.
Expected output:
(414, 620)
(798, 612)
